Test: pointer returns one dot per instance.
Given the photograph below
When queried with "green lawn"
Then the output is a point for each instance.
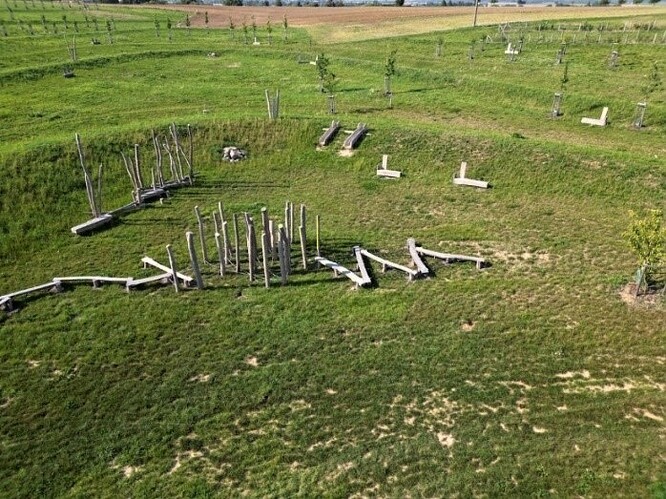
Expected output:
(530, 377)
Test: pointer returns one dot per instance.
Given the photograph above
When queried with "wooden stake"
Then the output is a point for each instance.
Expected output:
(272, 229)
(220, 252)
(291, 223)
(137, 166)
(286, 217)
(174, 269)
(190, 153)
(264, 255)
(317, 234)
(225, 234)
(282, 253)
(301, 231)
(202, 235)
(193, 259)
(236, 243)
(303, 219)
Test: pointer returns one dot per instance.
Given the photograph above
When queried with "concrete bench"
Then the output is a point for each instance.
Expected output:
(329, 133)
(355, 137)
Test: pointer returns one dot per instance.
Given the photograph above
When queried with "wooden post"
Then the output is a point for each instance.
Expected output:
(264, 255)
(291, 223)
(301, 230)
(303, 220)
(174, 269)
(282, 252)
(193, 259)
(218, 243)
(236, 244)
(286, 217)
(252, 250)
(202, 235)
(137, 166)
(190, 153)
(90, 191)
(317, 234)
(274, 239)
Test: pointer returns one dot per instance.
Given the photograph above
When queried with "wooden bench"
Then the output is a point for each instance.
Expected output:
(355, 137)
(7, 301)
(600, 122)
(329, 133)
(339, 269)
(461, 179)
(383, 171)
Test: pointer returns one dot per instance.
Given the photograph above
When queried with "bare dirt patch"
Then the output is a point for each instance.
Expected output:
(649, 300)
(369, 22)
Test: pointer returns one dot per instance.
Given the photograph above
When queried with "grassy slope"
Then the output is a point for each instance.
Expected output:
(387, 391)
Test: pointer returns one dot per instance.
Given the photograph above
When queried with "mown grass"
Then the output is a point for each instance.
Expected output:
(530, 377)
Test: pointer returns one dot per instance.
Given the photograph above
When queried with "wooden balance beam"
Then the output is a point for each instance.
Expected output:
(339, 269)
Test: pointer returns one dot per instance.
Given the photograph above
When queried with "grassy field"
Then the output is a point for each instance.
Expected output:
(531, 377)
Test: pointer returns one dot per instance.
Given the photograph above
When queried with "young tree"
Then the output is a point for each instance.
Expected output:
(206, 19)
(269, 30)
(389, 71)
(647, 239)
(187, 23)
(157, 28)
(326, 78)
(285, 25)
(232, 27)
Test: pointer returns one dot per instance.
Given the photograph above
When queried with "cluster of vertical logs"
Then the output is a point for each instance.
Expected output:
(276, 238)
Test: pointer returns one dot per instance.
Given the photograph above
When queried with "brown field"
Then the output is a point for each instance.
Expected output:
(329, 25)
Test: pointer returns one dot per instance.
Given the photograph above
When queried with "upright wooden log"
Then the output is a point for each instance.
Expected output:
(304, 256)
(291, 223)
(193, 259)
(236, 245)
(219, 243)
(264, 257)
(303, 218)
(225, 233)
(158, 160)
(274, 239)
(286, 218)
(190, 154)
(137, 166)
(174, 269)
(317, 234)
(202, 235)
(282, 253)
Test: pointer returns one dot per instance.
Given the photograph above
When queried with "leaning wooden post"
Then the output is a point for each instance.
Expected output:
(303, 218)
(264, 257)
(317, 234)
(301, 230)
(174, 269)
(236, 244)
(193, 259)
(218, 242)
(202, 235)
(282, 253)
(137, 166)
(90, 191)
(225, 234)
(190, 153)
